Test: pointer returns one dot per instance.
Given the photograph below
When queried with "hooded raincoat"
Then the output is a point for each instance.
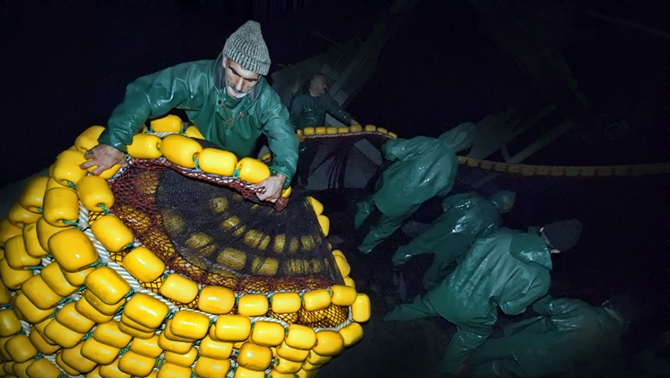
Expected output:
(569, 335)
(422, 168)
(199, 89)
(507, 269)
(465, 217)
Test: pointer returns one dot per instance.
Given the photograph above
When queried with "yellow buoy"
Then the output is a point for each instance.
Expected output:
(168, 124)
(252, 170)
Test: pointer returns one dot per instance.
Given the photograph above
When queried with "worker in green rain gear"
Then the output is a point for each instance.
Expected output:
(465, 218)
(311, 103)
(421, 168)
(227, 99)
(569, 337)
(507, 269)
(308, 108)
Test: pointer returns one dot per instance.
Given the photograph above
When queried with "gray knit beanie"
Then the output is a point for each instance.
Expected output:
(247, 48)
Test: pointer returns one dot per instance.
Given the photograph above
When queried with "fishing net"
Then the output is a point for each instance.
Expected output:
(209, 232)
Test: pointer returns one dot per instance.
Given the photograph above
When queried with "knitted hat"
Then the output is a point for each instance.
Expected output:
(564, 234)
(247, 48)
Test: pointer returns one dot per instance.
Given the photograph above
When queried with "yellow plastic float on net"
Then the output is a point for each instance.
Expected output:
(52, 277)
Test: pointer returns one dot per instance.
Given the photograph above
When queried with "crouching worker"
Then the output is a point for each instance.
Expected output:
(567, 336)
(507, 269)
(421, 168)
(465, 218)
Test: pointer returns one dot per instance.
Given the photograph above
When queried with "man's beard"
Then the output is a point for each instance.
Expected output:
(232, 93)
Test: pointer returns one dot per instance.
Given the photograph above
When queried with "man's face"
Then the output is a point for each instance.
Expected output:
(239, 80)
(318, 86)
(552, 250)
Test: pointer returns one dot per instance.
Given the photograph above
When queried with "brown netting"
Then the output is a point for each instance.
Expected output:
(211, 234)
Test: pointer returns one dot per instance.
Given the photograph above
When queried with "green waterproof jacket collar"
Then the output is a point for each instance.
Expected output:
(199, 89)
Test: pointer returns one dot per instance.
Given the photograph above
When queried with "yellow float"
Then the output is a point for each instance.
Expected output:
(81, 296)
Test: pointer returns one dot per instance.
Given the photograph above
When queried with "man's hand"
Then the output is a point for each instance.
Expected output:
(270, 188)
(104, 157)
(301, 138)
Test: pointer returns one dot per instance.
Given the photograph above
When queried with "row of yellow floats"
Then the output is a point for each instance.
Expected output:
(332, 130)
(65, 311)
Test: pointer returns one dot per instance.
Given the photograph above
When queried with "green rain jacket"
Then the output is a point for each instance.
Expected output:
(507, 269)
(466, 217)
(309, 111)
(199, 89)
(422, 168)
(569, 335)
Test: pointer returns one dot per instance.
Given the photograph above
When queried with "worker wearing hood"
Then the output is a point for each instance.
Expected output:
(465, 218)
(422, 168)
(507, 269)
(568, 335)
(227, 99)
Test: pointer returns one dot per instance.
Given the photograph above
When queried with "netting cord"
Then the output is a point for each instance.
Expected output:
(197, 164)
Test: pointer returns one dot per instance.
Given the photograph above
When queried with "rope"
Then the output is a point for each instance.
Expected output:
(567, 171)
(197, 164)
(537, 170)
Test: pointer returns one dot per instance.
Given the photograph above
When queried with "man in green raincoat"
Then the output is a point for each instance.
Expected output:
(227, 99)
(507, 269)
(308, 109)
(567, 336)
(465, 217)
(422, 168)
(310, 104)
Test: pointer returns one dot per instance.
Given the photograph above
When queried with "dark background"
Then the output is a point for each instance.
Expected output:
(65, 65)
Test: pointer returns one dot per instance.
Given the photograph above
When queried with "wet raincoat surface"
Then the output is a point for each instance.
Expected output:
(422, 168)
(465, 217)
(199, 89)
(309, 111)
(507, 269)
(569, 335)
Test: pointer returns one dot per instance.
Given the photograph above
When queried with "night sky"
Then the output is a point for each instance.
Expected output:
(66, 65)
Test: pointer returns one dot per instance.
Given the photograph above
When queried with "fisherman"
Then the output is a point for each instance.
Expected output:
(420, 169)
(310, 104)
(228, 99)
(567, 336)
(507, 269)
(308, 109)
(465, 218)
